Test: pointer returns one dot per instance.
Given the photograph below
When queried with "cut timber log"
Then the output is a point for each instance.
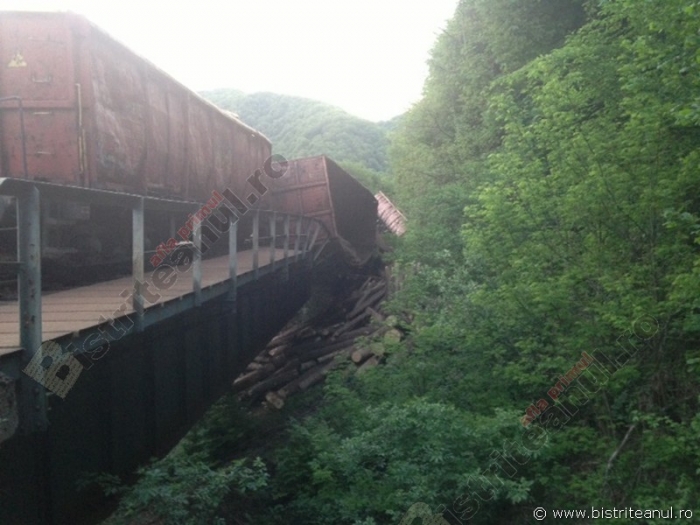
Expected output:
(392, 336)
(292, 364)
(377, 348)
(307, 365)
(328, 349)
(352, 324)
(360, 355)
(304, 381)
(370, 300)
(392, 321)
(253, 377)
(315, 376)
(307, 347)
(277, 350)
(370, 363)
(375, 314)
(279, 361)
(274, 400)
(330, 357)
(284, 337)
(367, 292)
(367, 284)
(271, 383)
(306, 333)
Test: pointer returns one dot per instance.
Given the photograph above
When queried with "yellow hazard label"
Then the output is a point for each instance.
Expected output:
(17, 61)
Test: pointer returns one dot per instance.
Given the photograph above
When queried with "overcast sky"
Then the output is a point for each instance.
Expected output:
(365, 56)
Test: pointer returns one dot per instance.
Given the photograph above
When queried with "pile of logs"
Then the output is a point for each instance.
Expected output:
(302, 354)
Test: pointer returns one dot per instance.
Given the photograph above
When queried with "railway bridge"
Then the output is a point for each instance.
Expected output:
(101, 377)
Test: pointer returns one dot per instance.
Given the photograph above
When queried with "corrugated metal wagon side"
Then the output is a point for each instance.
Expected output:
(77, 107)
(318, 187)
(96, 114)
(39, 114)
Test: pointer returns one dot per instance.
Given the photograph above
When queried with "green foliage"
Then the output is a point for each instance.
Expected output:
(369, 469)
(369, 178)
(299, 127)
(556, 189)
(180, 491)
(226, 427)
(439, 154)
(197, 482)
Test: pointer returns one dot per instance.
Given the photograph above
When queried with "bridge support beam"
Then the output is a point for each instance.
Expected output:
(32, 408)
(256, 244)
(273, 239)
(197, 264)
(137, 260)
(233, 261)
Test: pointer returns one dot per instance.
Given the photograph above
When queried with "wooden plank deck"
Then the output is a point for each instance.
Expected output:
(69, 311)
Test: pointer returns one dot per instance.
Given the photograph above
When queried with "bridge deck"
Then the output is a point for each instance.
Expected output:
(70, 311)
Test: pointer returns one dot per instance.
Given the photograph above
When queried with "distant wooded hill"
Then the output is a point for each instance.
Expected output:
(300, 127)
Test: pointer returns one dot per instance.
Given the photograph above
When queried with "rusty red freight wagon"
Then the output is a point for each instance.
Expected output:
(98, 115)
(79, 108)
(318, 187)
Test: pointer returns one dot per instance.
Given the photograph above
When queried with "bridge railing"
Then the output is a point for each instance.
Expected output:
(274, 235)
(296, 237)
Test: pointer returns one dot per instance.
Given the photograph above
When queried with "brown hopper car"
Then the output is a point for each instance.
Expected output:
(317, 187)
(98, 115)
(79, 108)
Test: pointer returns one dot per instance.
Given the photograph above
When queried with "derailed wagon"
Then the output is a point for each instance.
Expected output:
(318, 187)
